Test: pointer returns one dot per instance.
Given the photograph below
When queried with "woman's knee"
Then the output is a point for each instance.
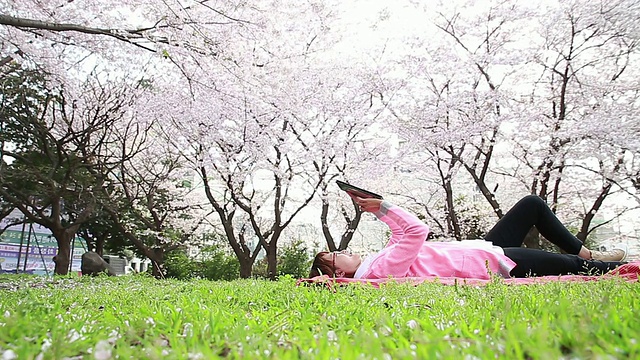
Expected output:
(532, 200)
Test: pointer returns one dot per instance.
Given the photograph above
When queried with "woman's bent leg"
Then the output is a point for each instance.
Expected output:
(534, 262)
(530, 211)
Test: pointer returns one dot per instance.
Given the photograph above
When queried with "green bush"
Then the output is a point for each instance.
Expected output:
(216, 264)
(260, 268)
(294, 260)
(213, 264)
(178, 265)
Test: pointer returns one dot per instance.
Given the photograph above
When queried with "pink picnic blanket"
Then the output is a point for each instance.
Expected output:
(628, 272)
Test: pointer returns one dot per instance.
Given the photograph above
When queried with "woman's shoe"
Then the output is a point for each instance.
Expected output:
(619, 253)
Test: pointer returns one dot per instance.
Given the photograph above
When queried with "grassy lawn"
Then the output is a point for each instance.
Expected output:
(139, 317)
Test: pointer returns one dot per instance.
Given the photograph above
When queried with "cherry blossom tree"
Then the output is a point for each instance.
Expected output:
(152, 204)
(341, 136)
(448, 103)
(268, 103)
(251, 166)
(238, 49)
(253, 146)
(53, 154)
(59, 35)
(582, 104)
(470, 86)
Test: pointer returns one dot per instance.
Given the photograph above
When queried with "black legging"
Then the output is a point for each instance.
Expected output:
(510, 231)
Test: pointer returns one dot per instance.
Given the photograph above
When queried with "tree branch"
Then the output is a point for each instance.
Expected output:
(123, 35)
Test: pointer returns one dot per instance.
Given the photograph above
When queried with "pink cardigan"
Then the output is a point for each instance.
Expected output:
(408, 254)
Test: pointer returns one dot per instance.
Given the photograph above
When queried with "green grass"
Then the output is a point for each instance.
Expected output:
(138, 317)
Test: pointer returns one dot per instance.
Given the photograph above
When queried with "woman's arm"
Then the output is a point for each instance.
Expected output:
(398, 220)
(379, 208)
(408, 237)
(397, 232)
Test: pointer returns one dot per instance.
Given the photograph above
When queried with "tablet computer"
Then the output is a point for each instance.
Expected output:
(354, 190)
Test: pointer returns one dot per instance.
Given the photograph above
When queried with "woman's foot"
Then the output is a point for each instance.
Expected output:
(619, 253)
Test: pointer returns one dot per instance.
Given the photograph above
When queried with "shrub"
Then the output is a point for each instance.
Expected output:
(179, 265)
(216, 264)
(260, 268)
(294, 260)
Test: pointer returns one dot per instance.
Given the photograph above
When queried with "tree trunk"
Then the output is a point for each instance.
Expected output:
(95, 243)
(245, 256)
(272, 260)
(347, 235)
(325, 226)
(100, 244)
(453, 223)
(246, 266)
(62, 258)
(484, 189)
(588, 217)
(352, 225)
(157, 263)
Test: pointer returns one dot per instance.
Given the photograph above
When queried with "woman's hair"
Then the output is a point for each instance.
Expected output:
(321, 265)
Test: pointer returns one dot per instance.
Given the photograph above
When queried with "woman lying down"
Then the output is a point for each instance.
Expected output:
(408, 254)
